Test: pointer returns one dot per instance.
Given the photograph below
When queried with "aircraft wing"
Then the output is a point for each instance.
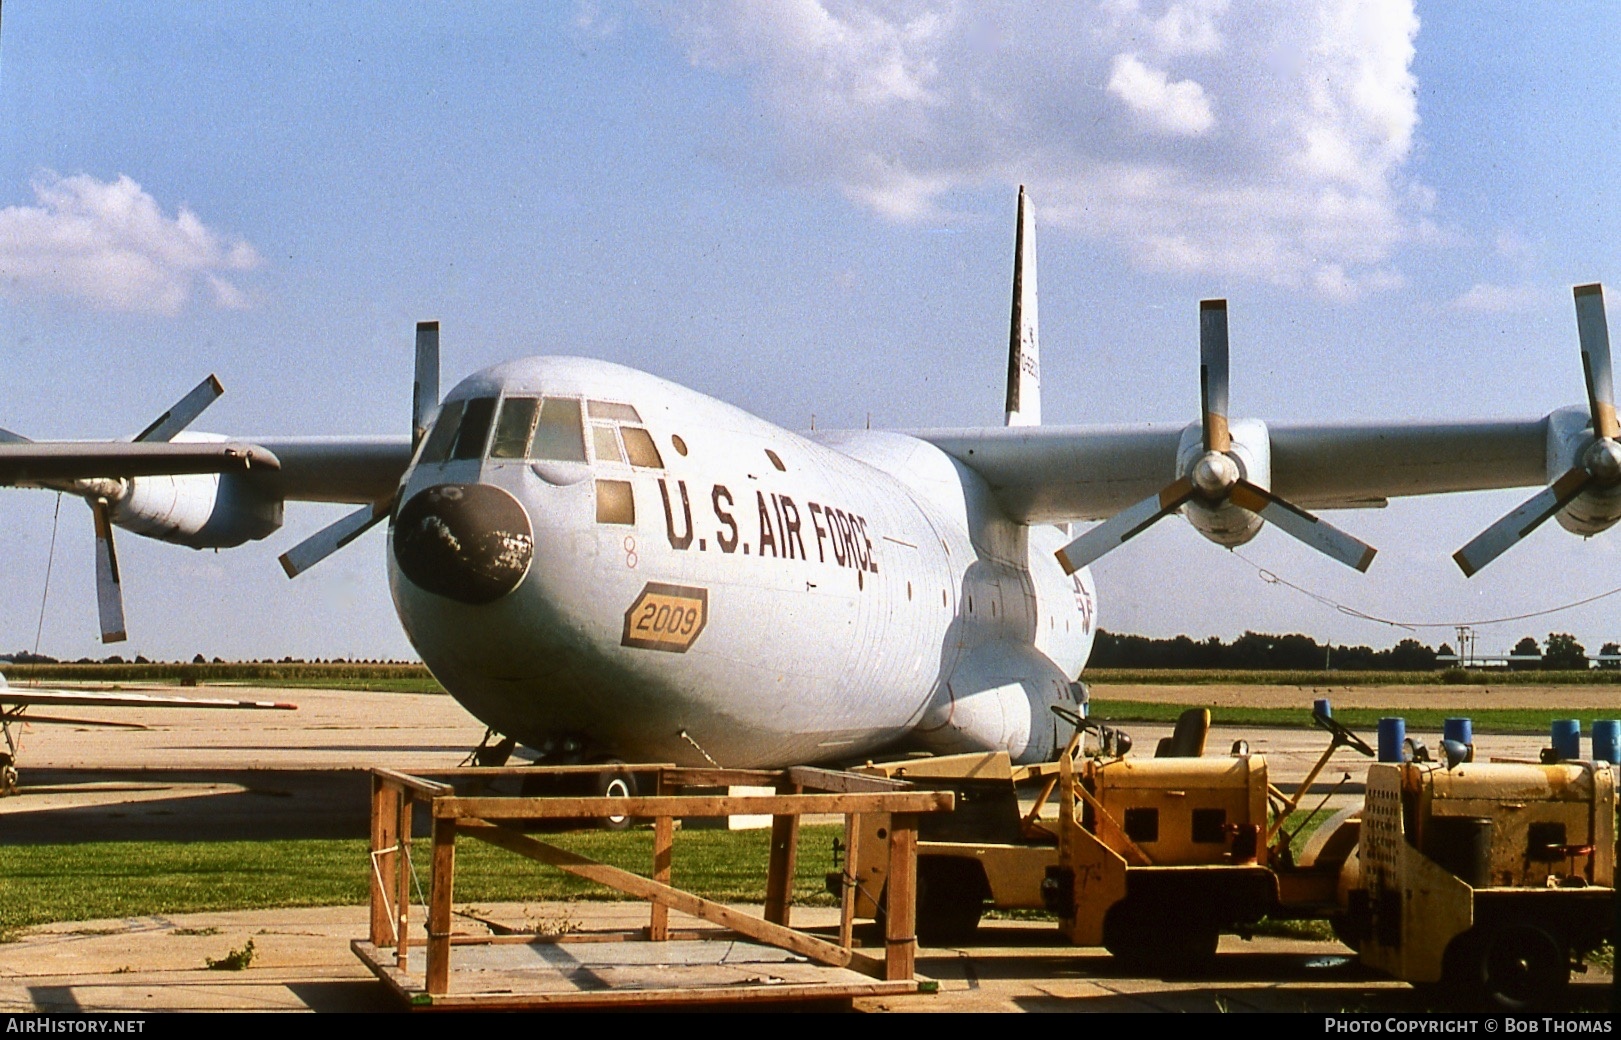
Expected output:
(335, 469)
(14, 697)
(1054, 474)
(30, 462)
(314, 469)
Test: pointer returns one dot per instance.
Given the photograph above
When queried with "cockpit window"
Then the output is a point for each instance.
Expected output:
(560, 434)
(612, 410)
(437, 448)
(604, 445)
(640, 447)
(475, 428)
(512, 430)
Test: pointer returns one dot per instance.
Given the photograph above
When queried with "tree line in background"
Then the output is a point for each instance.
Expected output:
(1259, 651)
(1253, 651)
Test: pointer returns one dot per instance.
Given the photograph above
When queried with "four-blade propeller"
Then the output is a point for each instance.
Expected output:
(1600, 464)
(1215, 479)
(424, 403)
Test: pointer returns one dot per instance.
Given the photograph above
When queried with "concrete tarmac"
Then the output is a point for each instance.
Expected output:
(210, 775)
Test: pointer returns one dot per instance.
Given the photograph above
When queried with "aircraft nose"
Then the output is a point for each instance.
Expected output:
(468, 542)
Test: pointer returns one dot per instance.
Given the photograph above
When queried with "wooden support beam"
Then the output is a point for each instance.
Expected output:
(658, 928)
(829, 780)
(848, 889)
(413, 783)
(900, 936)
(440, 896)
(674, 778)
(779, 878)
(402, 876)
(642, 888)
(495, 808)
(384, 858)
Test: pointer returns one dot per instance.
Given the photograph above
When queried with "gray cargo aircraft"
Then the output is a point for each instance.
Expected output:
(603, 564)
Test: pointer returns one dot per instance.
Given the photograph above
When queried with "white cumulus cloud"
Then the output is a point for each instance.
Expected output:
(1178, 108)
(109, 244)
(1491, 298)
(1266, 140)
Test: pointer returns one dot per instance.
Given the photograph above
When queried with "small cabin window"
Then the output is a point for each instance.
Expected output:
(560, 433)
(513, 429)
(775, 461)
(640, 448)
(475, 428)
(680, 445)
(1209, 826)
(615, 503)
(605, 445)
(443, 435)
(612, 410)
(1142, 824)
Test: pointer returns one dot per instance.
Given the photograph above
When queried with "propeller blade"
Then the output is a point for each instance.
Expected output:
(1497, 539)
(185, 410)
(1594, 333)
(109, 587)
(331, 538)
(1123, 526)
(1303, 526)
(1213, 374)
(425, 392)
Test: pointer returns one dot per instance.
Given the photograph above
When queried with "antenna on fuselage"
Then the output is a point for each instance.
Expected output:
(1024, 347)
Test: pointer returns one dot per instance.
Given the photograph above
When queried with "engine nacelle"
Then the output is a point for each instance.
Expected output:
(1570, 438)
(200, 510)
(1228, 525)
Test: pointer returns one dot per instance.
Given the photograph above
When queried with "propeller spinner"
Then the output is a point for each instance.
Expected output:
(1215, 479)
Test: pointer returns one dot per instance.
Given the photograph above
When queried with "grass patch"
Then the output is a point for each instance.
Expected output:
(1442, 677)
(335, 675)
(49, 883)
(1364, 720)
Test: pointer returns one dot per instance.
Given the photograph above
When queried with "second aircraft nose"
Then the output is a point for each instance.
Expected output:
(468, 542)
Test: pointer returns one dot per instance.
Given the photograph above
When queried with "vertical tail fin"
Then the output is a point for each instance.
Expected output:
(1024, 348)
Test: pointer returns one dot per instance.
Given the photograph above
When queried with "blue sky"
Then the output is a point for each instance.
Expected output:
(805, 209)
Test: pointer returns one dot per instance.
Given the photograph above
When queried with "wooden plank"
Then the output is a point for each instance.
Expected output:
(402, 876)
(847, 890)
(687, 903)
(413, 783)
(698, 995)
(779, 878)
(722, 777)
(658, 926)
(900, 936)
(384, 859)
(496, 808)
(439, 906)
(829, 780)
(523, 772)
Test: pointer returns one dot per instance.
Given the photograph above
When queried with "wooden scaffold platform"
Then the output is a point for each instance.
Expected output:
(747, 958)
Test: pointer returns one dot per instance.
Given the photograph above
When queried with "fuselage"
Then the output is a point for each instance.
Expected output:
(599, 563)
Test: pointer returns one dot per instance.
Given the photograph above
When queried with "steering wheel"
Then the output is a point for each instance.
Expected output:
(1342, 735)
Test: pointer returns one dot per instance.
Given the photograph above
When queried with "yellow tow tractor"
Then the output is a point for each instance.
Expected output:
(1493, 879)
(1149, 857)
